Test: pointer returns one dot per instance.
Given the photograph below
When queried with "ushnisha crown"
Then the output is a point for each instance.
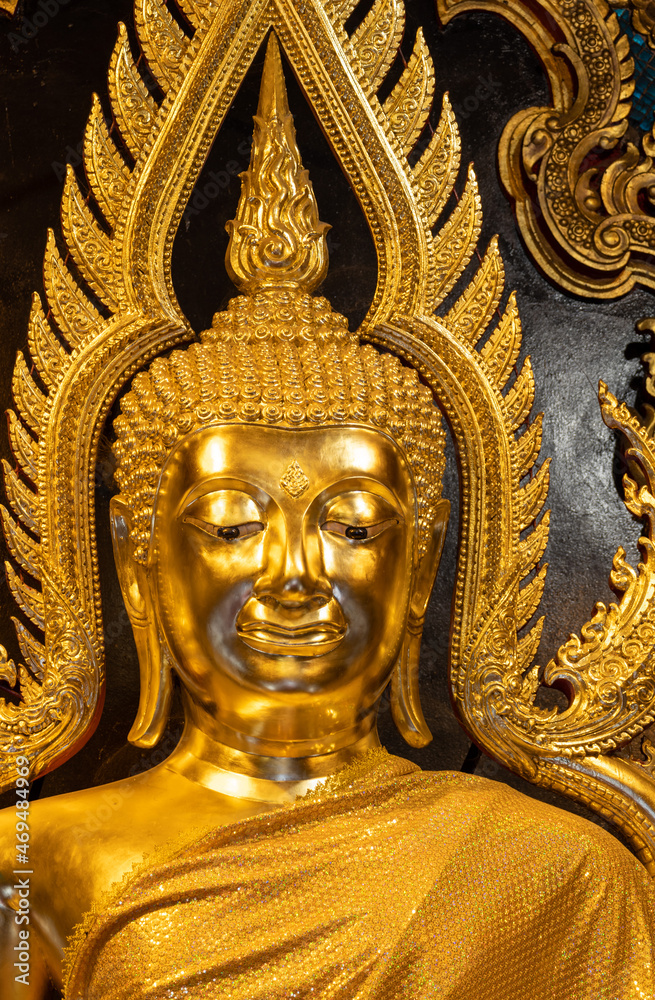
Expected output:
(277, 355)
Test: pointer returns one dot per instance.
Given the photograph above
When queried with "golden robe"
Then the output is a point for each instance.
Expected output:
(393, 885)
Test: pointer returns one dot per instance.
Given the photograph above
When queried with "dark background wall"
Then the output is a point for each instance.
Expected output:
(53, 55)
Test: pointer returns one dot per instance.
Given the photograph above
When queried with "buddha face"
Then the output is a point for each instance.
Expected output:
(280, 576)
(282, 562)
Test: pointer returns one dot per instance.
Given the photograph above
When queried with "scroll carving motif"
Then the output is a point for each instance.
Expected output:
(583, 194)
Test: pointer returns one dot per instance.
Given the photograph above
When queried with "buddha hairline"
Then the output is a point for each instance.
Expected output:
(280, 358)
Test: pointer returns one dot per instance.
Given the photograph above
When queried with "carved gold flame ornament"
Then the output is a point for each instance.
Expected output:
(86, 347)
(278, 241)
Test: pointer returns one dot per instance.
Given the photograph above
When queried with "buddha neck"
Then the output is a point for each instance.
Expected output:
(254, 776)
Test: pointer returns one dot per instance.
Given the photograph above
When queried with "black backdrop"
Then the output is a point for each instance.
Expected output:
(54, 54)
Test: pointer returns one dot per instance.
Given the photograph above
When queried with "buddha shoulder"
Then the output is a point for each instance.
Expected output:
(95, 835)
(89, 835)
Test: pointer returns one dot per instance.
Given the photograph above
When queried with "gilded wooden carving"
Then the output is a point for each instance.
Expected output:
(583, 193)
(87, 341)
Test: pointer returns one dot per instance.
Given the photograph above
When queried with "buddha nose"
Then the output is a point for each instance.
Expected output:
(300, 581)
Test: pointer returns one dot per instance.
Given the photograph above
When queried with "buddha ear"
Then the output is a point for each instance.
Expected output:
(405, 697)
(428, 563)
(154, 669)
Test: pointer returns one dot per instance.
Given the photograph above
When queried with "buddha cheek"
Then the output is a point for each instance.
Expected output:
(222, 644)
(228, 584)
(371, 583)
(204, 600)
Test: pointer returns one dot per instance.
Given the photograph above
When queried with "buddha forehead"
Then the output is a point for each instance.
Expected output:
(293, 466)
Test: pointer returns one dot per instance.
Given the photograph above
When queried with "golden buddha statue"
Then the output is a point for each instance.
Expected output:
(277, 534)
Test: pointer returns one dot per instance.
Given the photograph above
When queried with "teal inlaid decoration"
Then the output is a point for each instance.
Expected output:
(643, 101)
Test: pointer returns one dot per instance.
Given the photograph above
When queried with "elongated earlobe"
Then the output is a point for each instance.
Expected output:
(405, 697)
(155, 691)
(154, 668)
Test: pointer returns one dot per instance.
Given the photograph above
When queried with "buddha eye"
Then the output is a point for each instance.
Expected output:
(358, 532)
(359, 515)
(230, 515)
(228, 532)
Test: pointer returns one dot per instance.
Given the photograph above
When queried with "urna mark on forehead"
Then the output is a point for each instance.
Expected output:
(290, 465)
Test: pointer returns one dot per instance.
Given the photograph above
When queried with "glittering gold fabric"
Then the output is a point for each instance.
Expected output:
(402, 884)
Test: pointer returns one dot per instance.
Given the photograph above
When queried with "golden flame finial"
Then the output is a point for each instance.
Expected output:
(276, 240)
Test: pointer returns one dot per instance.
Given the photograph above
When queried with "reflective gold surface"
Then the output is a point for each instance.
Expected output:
(583, 189)
(279, 522)
(284, 635)
(84, 358)
(388, 884)
(277, 239)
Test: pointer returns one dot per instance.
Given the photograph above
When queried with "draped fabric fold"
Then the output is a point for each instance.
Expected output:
(395, 884)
